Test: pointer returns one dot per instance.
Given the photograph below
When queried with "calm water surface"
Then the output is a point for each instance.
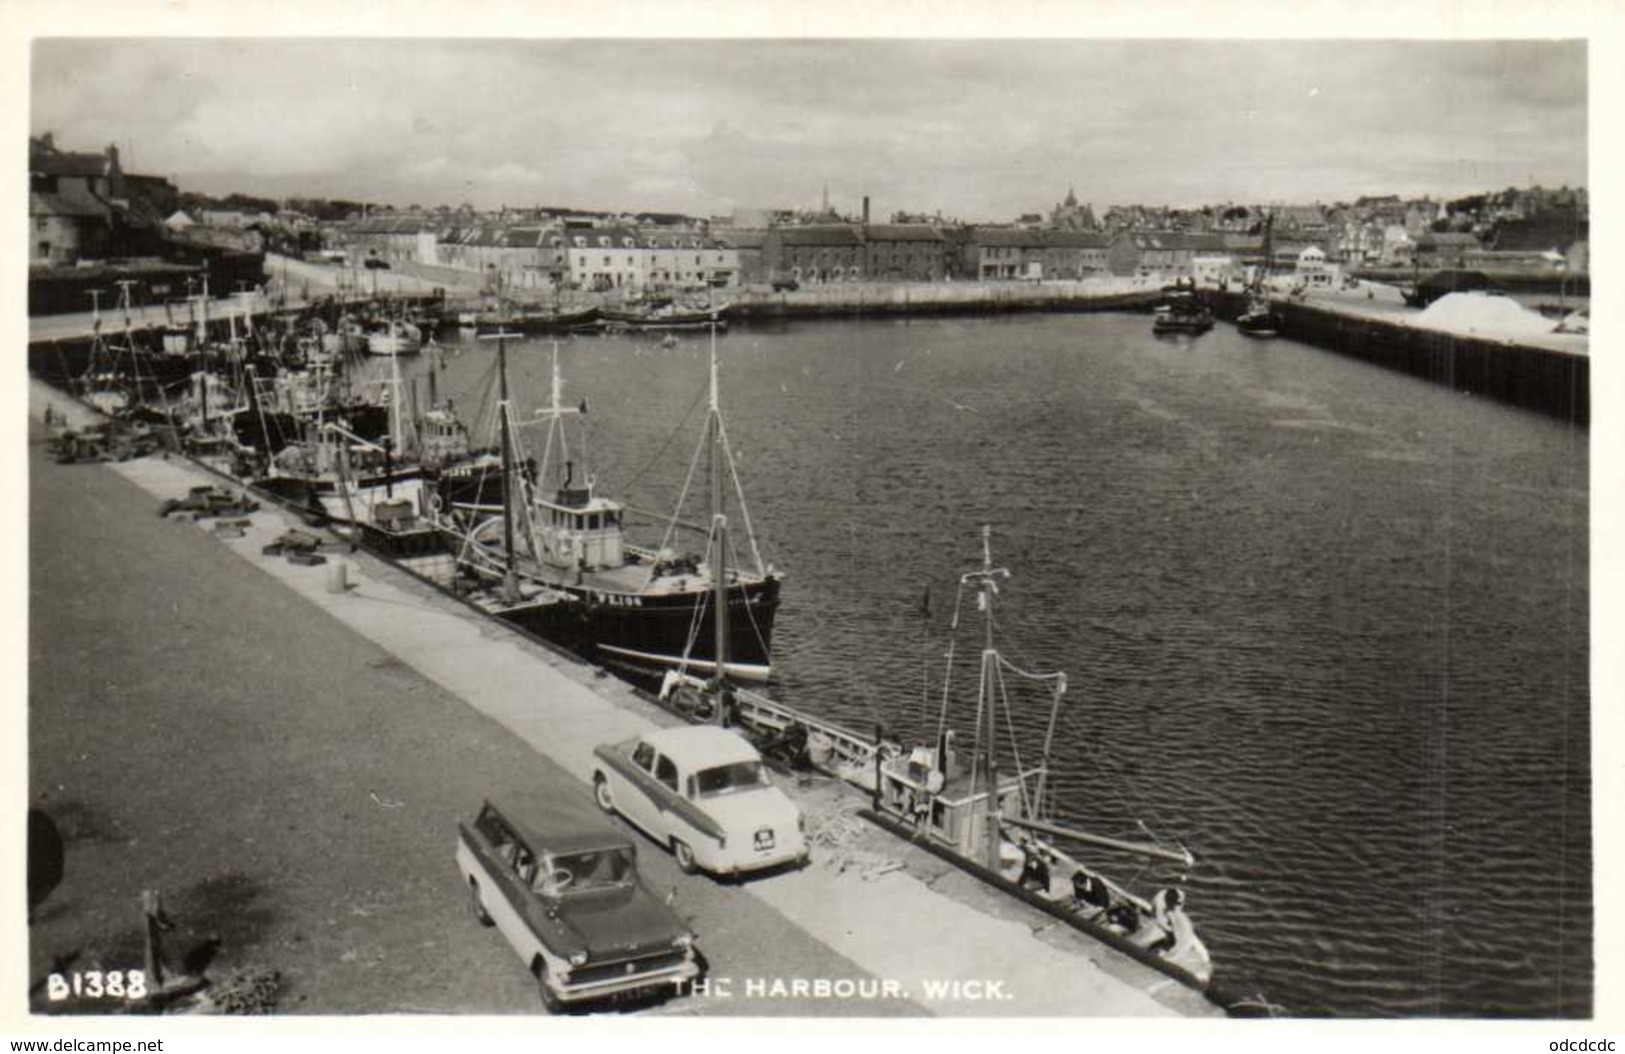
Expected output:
(1324, 623)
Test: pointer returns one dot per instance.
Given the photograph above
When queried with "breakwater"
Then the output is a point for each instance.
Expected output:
(866, 300)
(1552, 382)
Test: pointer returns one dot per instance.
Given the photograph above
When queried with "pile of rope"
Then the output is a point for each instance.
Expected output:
(835, 830)
(838, 831)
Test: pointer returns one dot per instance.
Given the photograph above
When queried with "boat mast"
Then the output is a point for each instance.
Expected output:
(719, 532)
(510, 576)
(1269, 253)
(986, 582)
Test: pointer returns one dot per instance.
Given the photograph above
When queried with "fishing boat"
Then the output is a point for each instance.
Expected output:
(967, 807)
(1259, 318)
(1182, 311)
(995, 821)
(647, 609)
(666, 317)
(372, 487)
(395, 337)
(490, 578)
(554, 321)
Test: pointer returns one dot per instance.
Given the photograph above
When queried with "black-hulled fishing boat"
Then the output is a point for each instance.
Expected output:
(648, 609)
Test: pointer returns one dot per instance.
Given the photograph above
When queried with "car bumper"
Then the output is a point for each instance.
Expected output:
(628, 985)
(755, 861)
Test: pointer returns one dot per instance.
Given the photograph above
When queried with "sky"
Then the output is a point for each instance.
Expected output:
(977, 129)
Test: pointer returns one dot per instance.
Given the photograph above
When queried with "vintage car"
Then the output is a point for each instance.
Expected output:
(562, 887)
(703, 792)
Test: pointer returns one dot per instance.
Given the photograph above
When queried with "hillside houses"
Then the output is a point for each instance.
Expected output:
(83, 206)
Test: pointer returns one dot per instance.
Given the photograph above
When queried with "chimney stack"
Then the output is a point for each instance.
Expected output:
(866, 210)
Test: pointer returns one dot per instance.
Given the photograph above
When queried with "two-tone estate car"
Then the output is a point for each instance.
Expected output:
(703, 792)
(562, 886)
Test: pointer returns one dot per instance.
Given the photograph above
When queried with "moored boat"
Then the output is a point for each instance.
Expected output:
(969, 808)
(1260, 319)
(1182, 311)
(645, 608)
(665, 317)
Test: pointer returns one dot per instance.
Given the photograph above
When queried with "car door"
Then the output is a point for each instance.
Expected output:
(632, 795)
(664, 795)
(507, 909)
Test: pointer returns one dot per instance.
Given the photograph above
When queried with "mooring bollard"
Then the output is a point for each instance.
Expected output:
(338, 581)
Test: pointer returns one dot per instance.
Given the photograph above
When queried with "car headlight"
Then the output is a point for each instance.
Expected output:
(683, 940)
(578, 958)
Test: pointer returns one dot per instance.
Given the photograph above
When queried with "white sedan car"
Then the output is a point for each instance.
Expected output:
(702, 791)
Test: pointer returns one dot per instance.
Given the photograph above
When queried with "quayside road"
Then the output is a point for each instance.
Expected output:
(288, 765)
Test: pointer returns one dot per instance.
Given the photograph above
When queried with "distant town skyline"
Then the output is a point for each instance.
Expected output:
(977, 129)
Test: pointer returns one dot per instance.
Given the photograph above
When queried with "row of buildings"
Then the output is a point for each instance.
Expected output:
(579, 254)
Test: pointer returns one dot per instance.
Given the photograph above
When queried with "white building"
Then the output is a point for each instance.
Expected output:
(1315, 271)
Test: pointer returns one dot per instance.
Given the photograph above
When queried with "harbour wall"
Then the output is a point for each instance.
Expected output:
(1552, 382)
(862, 299)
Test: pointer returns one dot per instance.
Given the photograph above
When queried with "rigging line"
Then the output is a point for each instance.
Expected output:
(680, 427)
(1018, 671)
(671, 526)
(1133, 799)
(1135, 802)
(953, 643)
(976, 744)
(698, 616)
(750, 613)
(1015, 750)
(744, 510)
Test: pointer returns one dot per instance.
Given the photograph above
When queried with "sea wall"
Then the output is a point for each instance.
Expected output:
(1552, 382)
(865, 299)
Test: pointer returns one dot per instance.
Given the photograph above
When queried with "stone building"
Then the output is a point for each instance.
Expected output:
(821, 253)
(913, 252)
(1073, 253)
(71, 215)
(994, 253)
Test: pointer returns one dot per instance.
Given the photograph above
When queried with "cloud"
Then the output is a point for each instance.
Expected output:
(980, 129)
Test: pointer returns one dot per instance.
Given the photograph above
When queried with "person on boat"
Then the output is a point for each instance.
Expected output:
(1089, 893)
(1180, 935)
(1124, 918)
(1034, 868)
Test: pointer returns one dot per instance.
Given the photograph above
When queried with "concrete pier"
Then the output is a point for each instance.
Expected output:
(258, 719)
(1549, 375)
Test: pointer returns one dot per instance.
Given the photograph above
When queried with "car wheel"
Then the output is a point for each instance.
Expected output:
(601, 793)
(684, 855)
(481, 916)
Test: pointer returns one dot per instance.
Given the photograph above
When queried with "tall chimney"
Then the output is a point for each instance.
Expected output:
(866, 210)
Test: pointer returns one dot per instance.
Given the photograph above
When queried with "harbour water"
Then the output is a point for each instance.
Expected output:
(1325, 624)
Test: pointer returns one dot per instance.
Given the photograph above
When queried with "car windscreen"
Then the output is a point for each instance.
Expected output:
(599, 869)
(725, 779)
